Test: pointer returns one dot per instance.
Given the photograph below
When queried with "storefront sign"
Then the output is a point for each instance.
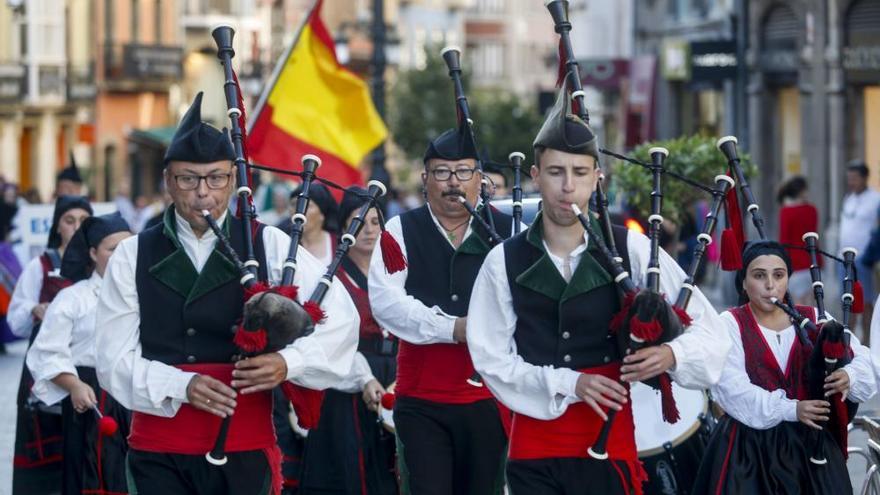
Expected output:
(713, 60)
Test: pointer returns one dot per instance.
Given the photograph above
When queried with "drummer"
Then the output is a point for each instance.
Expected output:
(349, 452)
(538, 330)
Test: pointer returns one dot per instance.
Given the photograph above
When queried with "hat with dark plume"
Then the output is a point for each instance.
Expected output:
(198, 142)
(565, 131)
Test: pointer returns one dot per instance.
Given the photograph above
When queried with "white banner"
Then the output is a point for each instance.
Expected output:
(32, 224)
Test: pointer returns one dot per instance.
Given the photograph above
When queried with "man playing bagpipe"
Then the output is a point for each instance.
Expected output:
(448, 425)
(168, 311)
(539, 329)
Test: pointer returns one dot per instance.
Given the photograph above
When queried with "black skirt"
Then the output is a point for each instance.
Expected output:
(94, 463)
(776, 461)
(350, 452)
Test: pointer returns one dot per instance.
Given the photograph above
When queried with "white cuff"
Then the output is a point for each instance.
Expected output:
(567, 382)
(789, 410)
(295, 362)
(178, 388)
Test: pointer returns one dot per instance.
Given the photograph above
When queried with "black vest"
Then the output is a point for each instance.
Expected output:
(558, 324)
(190, 317)
(439, 275)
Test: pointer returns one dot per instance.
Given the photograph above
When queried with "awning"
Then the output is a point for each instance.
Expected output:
(156, 137)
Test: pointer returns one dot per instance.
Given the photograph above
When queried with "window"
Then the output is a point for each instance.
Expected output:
(135, 18)
(157, 29)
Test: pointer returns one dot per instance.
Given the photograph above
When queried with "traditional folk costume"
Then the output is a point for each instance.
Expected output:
(38, 446)
(350, 452)
(760, 446)
(93, 463)
(532, 332)
(451, 437)
(168, 311)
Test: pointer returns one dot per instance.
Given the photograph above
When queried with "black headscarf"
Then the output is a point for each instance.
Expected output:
(76, 264)
(320, 196)
(62, 205)
(352, 200)
(752, 250)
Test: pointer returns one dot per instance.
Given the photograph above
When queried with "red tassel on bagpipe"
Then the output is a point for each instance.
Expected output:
(315, 312)
(620, 317)
(392, 255)
(646, 331)
(683, 316)
(670, 408)
(250, 341)
(731, 253)
(107, 426)
(255, 289)
(833, 350)
(858, 305)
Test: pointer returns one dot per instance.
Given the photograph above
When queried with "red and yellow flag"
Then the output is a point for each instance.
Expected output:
(315, 105)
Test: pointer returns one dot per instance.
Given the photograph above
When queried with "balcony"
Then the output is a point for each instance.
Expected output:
(136, 67)
(81, 82)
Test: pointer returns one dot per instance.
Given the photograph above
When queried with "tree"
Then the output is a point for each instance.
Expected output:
(423, 105)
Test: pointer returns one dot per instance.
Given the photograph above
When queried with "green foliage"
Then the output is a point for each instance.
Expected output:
(694, 157)
(422, 105)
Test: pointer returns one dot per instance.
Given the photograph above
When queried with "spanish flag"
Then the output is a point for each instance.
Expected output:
(315, 105)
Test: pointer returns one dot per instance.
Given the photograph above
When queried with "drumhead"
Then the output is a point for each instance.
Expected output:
(651, 431)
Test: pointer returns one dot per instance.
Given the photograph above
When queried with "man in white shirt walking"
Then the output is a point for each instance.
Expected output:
(858, 219)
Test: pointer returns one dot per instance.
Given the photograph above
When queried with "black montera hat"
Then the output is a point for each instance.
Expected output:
(198, 142)
(565, 131)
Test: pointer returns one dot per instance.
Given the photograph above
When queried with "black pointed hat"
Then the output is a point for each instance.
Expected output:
(70, 172)
(198, 142)
(453, 144)
(565, 131)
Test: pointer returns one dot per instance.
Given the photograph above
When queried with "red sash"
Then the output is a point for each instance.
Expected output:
(438, 373)
(575, 431)
(192, 431)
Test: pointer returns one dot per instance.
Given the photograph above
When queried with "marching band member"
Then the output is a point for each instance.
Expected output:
(450, 430)
(165, 322)
(761, 445)
(38, 433)
(62, 362)
(349, 452)
(538, 330)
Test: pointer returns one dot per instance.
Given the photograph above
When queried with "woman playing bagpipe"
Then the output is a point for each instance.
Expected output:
(350, 452)
(539, 330)
(765, 443)
(62, 362)
(38, 432)
(168, 319)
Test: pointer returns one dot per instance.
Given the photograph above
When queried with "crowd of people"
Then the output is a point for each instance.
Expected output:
(430, 349)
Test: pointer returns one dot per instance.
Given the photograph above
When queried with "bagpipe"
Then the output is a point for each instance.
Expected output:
(570, 70)
(826, 342)
(452, 57)
(516, 160)
(645, 318)
(272, 317)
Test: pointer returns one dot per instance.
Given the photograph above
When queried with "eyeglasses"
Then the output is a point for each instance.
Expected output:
(444, 174)
(191, 182)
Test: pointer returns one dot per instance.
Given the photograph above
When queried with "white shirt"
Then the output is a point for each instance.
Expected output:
(400, 313)
(545, 392)
(858, 218)
(25, 297)
(317, 361)
(756, 407)
(66, 338)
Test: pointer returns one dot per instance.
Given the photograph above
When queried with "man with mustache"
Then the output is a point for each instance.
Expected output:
(166, 317)
(538, 330)
(450, 430)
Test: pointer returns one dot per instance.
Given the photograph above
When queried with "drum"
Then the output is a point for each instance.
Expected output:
(671, 453)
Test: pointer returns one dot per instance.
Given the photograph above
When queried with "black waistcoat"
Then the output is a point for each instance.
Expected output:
(189, 317)
(561, 324)
(439, 275)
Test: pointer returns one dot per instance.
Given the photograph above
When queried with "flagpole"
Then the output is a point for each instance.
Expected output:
(279, 66)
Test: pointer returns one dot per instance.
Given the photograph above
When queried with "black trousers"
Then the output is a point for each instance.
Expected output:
(450, 449)
(568, 476)
(245, 473)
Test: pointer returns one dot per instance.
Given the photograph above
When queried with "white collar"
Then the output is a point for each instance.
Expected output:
(185, 229)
